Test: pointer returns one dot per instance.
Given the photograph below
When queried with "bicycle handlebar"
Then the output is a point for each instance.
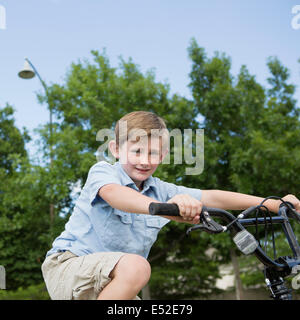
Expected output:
(283, 265)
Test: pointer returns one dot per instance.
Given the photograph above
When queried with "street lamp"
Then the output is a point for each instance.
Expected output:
(28, 72)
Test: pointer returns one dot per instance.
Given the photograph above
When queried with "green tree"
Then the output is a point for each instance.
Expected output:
(12, 141)
(24, 224)
(251, 133)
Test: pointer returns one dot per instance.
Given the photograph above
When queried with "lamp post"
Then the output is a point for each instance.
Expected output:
(28, 72)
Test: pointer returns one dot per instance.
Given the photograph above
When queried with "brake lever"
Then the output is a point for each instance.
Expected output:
(208, 224)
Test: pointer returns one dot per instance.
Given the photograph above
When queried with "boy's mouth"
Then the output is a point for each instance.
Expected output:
(142, 170)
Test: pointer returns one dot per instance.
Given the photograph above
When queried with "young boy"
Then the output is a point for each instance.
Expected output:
(102, 253)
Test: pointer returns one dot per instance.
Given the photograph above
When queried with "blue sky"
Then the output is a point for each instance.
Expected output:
(156, 34)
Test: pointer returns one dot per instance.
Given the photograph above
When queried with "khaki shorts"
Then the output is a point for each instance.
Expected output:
(69, 277)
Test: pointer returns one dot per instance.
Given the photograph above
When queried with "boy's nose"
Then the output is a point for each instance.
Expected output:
(144, 160)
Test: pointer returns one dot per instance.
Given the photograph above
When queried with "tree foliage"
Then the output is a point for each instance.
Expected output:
(24, 223)
(252, 133)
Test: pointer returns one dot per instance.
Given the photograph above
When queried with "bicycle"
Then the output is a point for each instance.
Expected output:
(275, 270)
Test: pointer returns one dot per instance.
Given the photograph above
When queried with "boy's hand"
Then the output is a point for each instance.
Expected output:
(292, 199)
(189, 207)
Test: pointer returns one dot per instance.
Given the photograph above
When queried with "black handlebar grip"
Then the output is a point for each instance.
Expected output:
(164, 209)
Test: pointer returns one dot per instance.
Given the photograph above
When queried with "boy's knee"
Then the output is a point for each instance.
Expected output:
(133, 268)
(142, 269)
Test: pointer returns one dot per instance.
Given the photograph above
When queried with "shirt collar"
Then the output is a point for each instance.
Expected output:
(126, 180)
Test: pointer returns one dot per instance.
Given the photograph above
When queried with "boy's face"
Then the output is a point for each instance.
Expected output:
(140, 159)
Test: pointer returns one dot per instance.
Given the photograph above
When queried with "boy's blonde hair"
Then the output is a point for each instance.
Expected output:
(143, 122)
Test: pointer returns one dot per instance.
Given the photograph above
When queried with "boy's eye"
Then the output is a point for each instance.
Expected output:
(136, 151)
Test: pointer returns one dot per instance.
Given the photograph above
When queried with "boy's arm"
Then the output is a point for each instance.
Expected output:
(125, 199)
(228, 200)
(129, 200)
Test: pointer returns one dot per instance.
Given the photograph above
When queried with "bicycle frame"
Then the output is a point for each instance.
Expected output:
(289, 233)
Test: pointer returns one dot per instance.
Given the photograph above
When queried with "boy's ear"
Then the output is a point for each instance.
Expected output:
(113, 148)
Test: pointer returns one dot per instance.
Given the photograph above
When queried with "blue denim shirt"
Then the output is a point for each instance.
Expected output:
(95, 226)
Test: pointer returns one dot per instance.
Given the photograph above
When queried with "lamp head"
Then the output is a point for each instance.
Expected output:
(27, 72)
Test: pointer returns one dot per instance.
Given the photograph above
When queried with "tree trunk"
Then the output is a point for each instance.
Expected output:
(237, 278)
(146, 293)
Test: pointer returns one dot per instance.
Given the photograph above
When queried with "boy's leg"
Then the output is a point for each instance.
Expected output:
(129, 276)
(103, 275)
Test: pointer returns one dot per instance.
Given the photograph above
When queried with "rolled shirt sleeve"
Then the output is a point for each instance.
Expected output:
(100, 174)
